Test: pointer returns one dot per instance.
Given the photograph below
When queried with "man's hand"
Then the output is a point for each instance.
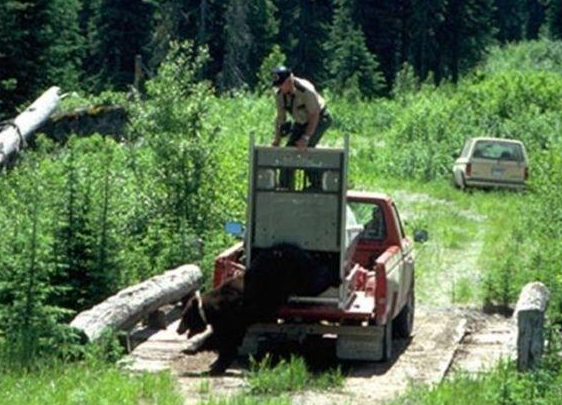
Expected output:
(302, 143)
(275, 142)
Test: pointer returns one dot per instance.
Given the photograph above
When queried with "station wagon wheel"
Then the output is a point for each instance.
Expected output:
(462, 186)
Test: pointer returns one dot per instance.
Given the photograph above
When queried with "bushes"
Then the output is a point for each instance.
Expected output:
(535, 244)
(83, 221)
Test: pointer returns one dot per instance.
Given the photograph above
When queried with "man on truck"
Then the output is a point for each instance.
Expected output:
(299, 98)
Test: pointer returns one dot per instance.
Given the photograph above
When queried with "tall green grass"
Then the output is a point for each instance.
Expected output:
(86, 384)
(289, 376)
(502, 386)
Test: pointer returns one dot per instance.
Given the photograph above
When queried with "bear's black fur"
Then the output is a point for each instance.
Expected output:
(256, 296)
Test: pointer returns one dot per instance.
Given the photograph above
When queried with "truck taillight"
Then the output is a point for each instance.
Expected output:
(468, 169)
(526, 173)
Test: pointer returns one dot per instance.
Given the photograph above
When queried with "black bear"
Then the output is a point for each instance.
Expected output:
(256, 296)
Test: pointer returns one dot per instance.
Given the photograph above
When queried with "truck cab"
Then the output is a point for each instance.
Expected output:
(300, 197)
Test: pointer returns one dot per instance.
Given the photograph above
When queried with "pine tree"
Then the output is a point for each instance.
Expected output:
(275, 58)
(40, 46)
(426, 17)
(536, 10)
(27, 321)
(351, 66)
(381, 22)
(61, 45)
(304, 27)
(264, 28)
(509, 18)
(74, 241)
(123, 30)
(238, 40)
(463, 36)
(105, 270)
(555, 18)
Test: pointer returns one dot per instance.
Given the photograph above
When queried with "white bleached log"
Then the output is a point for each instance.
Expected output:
(16, 133)
(125, 309)
(529, 316)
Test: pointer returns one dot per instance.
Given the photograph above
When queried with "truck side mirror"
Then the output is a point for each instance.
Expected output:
(421, 235)
(235, 229)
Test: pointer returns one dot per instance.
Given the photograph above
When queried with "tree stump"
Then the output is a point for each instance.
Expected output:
(529, 316)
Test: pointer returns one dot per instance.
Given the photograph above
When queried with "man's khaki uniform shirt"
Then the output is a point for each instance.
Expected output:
(305, 100)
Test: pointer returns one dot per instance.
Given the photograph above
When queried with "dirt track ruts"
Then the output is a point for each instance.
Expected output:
(444, 340)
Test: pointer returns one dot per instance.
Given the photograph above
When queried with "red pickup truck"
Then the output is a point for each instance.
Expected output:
(358, 233)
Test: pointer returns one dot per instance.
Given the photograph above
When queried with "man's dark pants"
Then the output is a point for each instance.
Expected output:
(297, 131)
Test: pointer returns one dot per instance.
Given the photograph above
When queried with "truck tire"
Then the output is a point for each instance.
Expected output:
(387, 342)
(404, 322)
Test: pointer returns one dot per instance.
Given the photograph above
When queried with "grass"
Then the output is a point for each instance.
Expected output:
(467, 232)
(502, 386)
(87, 384)
(289, 376)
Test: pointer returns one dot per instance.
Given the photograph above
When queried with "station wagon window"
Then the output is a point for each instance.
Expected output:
(371, 217)
(497, 150)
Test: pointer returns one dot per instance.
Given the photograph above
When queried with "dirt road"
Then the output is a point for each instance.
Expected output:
(444, 341)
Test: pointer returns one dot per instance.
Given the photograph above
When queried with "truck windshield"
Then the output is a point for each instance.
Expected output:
(371, 219)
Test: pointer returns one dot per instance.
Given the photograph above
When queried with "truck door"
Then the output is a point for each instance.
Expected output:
(406, 266)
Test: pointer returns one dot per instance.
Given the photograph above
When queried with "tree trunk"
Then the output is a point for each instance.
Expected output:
(529, 315)
(125, 309)
(16, 133)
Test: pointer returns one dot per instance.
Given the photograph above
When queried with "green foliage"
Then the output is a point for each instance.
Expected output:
(119, 30)
(353, 70)
(275, 58)
(544, 55)
(95, 216)
(238, 40)
(87, 383)
(533, 250)
(463, 36)
(503, 385)
(510, 17)
(405, 83)
(302, 31)
(555, 18)
(40, 46)
(264, 27)
(287, 376)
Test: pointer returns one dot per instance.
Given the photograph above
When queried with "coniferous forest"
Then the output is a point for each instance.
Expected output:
(407, 80)
(91, 45)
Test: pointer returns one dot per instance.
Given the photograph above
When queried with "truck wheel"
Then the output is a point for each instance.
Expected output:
(387, 342)
(404, 322)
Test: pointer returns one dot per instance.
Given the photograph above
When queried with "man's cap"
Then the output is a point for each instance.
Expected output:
(279, 75)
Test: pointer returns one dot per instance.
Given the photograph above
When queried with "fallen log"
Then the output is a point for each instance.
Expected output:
(15, 133)
(529, 316)
(125, 309)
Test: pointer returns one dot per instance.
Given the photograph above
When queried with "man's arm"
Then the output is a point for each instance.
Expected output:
(281, 117)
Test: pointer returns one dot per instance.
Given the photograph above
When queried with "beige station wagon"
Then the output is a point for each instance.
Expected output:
(491, 162)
